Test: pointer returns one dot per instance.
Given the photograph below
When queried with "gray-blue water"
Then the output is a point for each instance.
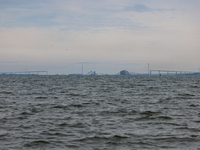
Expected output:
(99, 112)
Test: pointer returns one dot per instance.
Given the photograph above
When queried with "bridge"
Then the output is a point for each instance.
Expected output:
(24, 73)
(91, 73)
(168, 72)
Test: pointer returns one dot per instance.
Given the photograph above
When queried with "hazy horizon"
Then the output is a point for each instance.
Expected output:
(105, 36)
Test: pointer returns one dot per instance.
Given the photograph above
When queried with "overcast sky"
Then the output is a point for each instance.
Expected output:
(107, 36)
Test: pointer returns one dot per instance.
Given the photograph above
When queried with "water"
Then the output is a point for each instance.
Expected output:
(99, 112)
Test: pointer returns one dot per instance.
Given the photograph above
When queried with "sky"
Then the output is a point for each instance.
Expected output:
(106, 36)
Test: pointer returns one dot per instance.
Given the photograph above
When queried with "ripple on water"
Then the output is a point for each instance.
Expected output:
(99, 112)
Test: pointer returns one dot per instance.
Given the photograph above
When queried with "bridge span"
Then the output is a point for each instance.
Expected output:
(168, 72)
(25, 73)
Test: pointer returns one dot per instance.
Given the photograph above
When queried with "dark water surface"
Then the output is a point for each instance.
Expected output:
(99, 112)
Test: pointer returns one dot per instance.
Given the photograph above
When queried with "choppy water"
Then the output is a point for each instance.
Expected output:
(99, 112)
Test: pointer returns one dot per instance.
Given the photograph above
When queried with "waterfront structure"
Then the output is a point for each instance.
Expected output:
(168, 72)
(25, 73)
(124, 72)
(91, 73)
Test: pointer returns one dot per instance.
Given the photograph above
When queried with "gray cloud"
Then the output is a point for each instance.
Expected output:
(143, 8)
(88, 63)
(138, 8)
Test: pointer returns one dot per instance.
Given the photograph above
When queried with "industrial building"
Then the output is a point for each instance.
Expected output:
(124, 72)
